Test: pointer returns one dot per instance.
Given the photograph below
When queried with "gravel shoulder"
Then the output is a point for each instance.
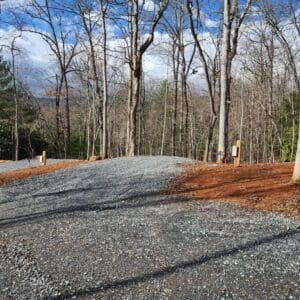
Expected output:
(26, 163)
(105, 230)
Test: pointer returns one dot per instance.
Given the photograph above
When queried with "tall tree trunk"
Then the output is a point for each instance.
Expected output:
(129, 108)
(103, 7)
(293, 127)
(165, 119)
(141, 115)
(296, 173)
(187, 114)
(59, 85)
(184, 104)
(228, 52)
(88, 135)
(175, 97)
(67, 112)
(132, 147)
(16, 130)
(135, 79)
(208, 144)
(224, 84)
(88, 126)
(104, 110)
(135, 60)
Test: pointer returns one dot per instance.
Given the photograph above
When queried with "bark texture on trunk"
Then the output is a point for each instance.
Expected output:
(103, 7)
(132, 146)
(224, 84)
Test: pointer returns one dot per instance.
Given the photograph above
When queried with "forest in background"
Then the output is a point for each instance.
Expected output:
(224, 76)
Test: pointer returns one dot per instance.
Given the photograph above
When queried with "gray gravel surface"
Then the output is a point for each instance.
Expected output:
(26, 163)
(103, 230)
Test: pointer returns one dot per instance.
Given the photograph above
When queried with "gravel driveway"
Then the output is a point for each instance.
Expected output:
(25, 163)
(103, 230)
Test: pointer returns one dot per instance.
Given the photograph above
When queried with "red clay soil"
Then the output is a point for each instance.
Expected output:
(34, 171)
(262, 186)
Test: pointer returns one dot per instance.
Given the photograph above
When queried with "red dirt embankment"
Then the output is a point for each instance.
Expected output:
(34, 171)
(262, 186)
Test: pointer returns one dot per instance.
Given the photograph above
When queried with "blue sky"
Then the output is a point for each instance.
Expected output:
(37, 63)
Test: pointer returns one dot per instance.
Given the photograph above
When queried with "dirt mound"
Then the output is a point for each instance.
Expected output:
(33, 171)
(262, 186)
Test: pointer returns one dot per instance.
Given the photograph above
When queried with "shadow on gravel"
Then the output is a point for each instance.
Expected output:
(178, 267)
(61, 193)
(57, 194)
(97, 207)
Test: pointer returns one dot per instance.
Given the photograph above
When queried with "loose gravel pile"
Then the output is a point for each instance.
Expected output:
(104, 230)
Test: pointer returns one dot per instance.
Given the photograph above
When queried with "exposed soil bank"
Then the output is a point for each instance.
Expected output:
(263, 186)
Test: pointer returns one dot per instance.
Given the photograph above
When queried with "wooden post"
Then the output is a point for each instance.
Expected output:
(237, 159)
(44, 158)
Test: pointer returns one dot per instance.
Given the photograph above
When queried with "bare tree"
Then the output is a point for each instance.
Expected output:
(14, 50)
(296, 173)
(232, 22)
(279, 29)
(163, 138)
(296, 23)
(175, 27)
(136, 53)
(103, 8)
(175, 67)
(58, 38)
(210, 73)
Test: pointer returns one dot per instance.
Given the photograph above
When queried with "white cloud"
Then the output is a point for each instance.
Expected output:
(207, 21)
(37, 58)
(31, 45)
(11, 4)
(35, 62)
(155, 66)
(149, 5)
(156, 62)
(211, 23)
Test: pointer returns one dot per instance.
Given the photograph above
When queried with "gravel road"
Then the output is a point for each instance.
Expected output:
(25, 163)
(103, 230)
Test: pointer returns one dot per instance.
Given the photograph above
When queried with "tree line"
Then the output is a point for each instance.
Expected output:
(229, 71)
